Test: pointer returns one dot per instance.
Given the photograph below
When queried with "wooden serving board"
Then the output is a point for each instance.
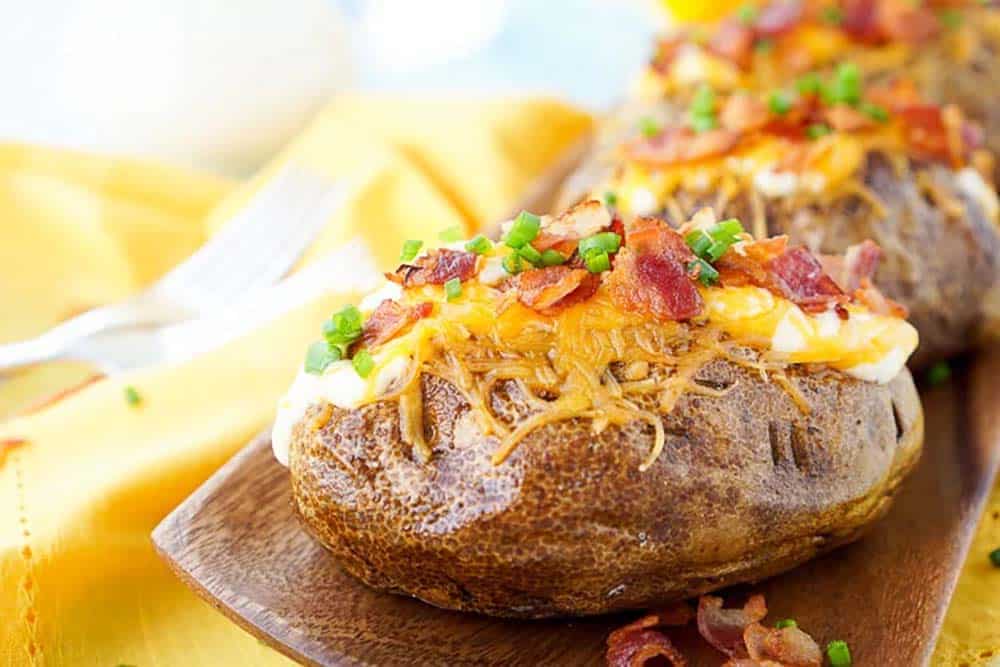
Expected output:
(238, 544)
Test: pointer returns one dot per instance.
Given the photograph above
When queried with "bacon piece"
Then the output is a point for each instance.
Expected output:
(746, 263)
(789, 646)
(872, 298)
(743, 112)
(681, 144)
(906, 20)
(861, 21)
(861, 261)
(436, 268)
(555, 287)
(390, 319)
(848, 119)
(800, 278)
(651, 274)
(585, 219)
(734, 42)
(750, 662)
(779, 17)
(679, 614)
(898, 94)
(925, 131)
(637, 648)
(723, 628)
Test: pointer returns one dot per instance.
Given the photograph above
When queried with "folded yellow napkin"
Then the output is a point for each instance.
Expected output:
(80, 582)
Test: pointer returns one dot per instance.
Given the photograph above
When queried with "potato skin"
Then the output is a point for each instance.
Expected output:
(746, 487)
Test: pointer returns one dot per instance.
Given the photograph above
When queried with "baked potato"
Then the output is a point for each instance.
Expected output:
(829, 174)
(599, 415)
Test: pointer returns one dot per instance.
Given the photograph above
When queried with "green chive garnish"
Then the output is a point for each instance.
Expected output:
(727, 230)
(524, 230)
(938, 374)
(529, 254)
(995, 557)
(763, 46)
(833, 15)
(706, 272)
(874, 111)
(479, 245)
(453, 289)
(950, 18)
(410, 250)
(747, 14)
(703, 123)
(779, 102)
(552, 257)
(601, 242)
(597, 261)
(610, 198)
(132, 396)
(809, 84)
(716, 250)
(512, 264)
(363, 363)
(649, 127)
(817, 130)
(845, 87)
(838, 653)
(703, 103)
(452, 234)
(320, 355)
(343, 327)
(786, 623)
(698, 241)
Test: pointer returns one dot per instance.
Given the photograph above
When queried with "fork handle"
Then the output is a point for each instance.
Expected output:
(60, 340)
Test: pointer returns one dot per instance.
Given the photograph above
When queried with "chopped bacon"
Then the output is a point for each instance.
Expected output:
(872, 298)
(638, 642)
(746, 264)
(848, 119)
(681, 144)
(723, 628)
(861, 21)
(779, 17)
(859, 261)
(733, 41)
(390, 319)
(637, 648)
(743, 112)
(799, 277)
(788, 646)
(750, 662)
(925, 131)
(651, 274)
(555, 287)
(585, 219)
(436, 268)
(899, 93)
(906, 20)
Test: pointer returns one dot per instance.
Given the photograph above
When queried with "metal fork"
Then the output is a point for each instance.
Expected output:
(255, 249)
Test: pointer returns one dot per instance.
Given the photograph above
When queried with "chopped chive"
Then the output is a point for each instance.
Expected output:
(950, 18)
(809, 84)
(786, 623)
(995, 557)
(726, 230)
(363, 363)
(452, 234)
(838, 653)
(453, 289)
(874, 111)
(845, 87)
(833, 15)
(747, 14)
(649, 127)
(763, 46)
(597, 261)
(343, 327)
(528, 253)
(698, 241)
(704, 101)
(716, 250)
(817, 130)
(600, 242)
(132, 396)
(779, 102)
(410, 250)
(512, 264)
(524, 230)
(552, 257)
(706, 272)
(700, 123)
(610, 198)
(938, 374)
(320, 355)
(479, 245)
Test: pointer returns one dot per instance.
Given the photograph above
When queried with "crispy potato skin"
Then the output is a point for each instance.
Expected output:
(746, 487)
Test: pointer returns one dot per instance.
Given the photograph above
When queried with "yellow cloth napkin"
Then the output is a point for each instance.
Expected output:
(80, 582)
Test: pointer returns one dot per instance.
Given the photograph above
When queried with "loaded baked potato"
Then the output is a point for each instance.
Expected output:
(597, 415)
(830, 163)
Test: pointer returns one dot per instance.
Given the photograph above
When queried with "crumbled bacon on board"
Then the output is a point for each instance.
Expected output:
(736, 632)
(436, 268)
(651, 273)
(391, 319)
(552, 288)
